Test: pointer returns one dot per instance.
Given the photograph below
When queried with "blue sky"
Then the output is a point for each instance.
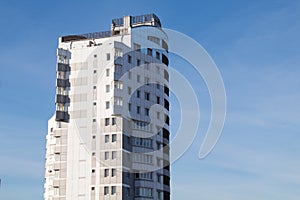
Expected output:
(255, 44)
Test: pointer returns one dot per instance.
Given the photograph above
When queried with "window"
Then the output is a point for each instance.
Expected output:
(56, 191)
(144, 192)
(118, 85)
(158, 100)
(113, 155)
(93, 170)
(114, 137)
(106, 172)
(92, 188)
(159, 195)
(118, 68)
(149, 52)
(95, 71)
(57, 140)
(107, 88)
(118, 52)
(147, 175)
(138, 94)
(147, 80)
(94, 120)
(106, 190)
(93, 153)
(56, 173)
(107, 104)
(129, 58)
(147, 111)
(106, 155)
(129, 90)
(157, 55)
(138, 62)
(106, 121)
(108, 56)
(158, 178)
(129, 75)
(113, 172)
(147, 96)
(136, 47)
(157, 85)
(142, 158)
(94, 137)
(129, 107)
(57, 156)
(114, 121)
(106, 138)
(154, 39)
(127, 191)
(107, 72)
(138, 78)
(118, 101)
(138, 109)
(113, 190)
(142, 142)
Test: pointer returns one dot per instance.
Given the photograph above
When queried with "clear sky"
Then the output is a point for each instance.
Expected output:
(255, 44)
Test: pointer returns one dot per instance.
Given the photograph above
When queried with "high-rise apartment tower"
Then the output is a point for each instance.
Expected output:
(109, 136)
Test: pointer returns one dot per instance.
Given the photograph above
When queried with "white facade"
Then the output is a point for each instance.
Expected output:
(109, 136)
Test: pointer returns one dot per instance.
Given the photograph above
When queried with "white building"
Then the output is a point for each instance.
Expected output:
(109, 136)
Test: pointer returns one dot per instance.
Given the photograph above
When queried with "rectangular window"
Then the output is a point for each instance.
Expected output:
(138, 62)
(118, 52)
(107, 72)
(158, 100)
(113, 155)
(129, 75)
(129, 90)
(107, 88)
(113, 121)
(113, 172)
(138, 94)
(106, 190)
(114, 137)
(106, 121)
(147, 96)
(106, 172)
(129, 107)
(108, 56)
(138, 78)
(107, 104)
(138, 109)
(106, 155)
(149, 52)
(147, 111)
(157, 55)
(56, 173)
(106, 138)
(56, 191)
(113, 190)
(129, 58)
